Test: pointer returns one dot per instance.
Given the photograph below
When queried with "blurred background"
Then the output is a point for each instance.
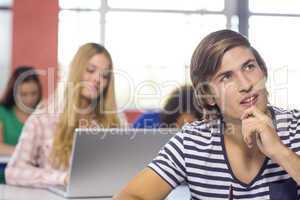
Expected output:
(151, 41)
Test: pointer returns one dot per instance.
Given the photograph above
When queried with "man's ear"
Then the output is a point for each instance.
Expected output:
(210, 95)
(210, 98)
(206, 97)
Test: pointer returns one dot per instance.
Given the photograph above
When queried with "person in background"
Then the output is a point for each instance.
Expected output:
(22, 95)
(244, 148)
(42, 156)
(180, 108)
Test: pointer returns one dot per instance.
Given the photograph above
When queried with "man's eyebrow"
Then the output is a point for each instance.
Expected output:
(247, 62)
(223, 74)
(230, 71)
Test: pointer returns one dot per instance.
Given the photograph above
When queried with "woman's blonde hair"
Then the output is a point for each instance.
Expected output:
(105, 105)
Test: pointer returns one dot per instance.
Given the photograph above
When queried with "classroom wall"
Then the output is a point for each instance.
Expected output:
(35, 38)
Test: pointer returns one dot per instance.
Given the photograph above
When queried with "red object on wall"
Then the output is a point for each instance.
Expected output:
(132, 115)
(35, 38)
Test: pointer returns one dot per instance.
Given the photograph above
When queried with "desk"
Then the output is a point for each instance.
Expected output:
(4, 159)
(21, 193)
(3, 162)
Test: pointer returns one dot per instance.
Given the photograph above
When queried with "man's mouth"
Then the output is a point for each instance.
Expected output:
(250, 100)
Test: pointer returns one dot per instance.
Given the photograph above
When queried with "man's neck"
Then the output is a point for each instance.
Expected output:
(233, 130)
(233, 133)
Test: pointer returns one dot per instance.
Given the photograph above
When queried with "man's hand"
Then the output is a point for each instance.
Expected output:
(257, 128)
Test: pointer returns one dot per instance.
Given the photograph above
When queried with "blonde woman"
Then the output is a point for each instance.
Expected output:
(42, 155)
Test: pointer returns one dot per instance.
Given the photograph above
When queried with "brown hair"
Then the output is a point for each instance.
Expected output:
(22, 74)
(206, 61)
(181, 100)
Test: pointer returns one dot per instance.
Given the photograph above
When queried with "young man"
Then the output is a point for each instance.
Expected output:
(244, 147)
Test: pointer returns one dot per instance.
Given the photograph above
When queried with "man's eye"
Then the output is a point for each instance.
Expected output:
(249, 67)
(225, 77)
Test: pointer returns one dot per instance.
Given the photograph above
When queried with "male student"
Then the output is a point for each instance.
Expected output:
(244, 147)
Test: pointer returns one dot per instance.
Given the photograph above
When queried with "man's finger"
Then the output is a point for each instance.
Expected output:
(247, 132)
(253, 111)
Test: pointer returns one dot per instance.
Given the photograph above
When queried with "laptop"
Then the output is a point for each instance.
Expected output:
(104, 160)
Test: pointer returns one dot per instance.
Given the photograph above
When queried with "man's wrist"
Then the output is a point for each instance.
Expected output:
(282, 154)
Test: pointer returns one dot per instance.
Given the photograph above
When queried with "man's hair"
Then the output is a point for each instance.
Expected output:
(206, 61)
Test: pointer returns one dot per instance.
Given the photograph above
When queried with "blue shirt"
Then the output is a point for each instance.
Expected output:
(148, 120)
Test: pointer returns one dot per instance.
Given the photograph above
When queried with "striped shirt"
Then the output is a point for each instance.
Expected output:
(196, 156)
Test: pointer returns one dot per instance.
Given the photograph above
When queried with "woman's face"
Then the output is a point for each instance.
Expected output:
(28, 95)
(95, 78)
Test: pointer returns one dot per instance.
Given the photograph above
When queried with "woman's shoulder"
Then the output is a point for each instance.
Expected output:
(5, 112)
(44, 114)
(3, 109)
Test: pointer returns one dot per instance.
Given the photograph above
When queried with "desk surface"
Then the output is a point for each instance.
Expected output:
(21, 193)
(11, 193)
(4, 159)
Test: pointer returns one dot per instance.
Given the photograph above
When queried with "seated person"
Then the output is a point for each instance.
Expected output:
(244, 148)
(180, 108)
(42, 155)
(23, 93)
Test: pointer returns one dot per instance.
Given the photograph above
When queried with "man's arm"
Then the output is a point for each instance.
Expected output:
(261, 127)
(147, 185)
(289, 161)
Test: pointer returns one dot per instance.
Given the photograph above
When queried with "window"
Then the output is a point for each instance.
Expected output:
(5, 41)
(216, 5)
(148, 41)
(6, 3)
(75, 29)
(152, 45)
(279, 7)
(80, 4)
(276, 36)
